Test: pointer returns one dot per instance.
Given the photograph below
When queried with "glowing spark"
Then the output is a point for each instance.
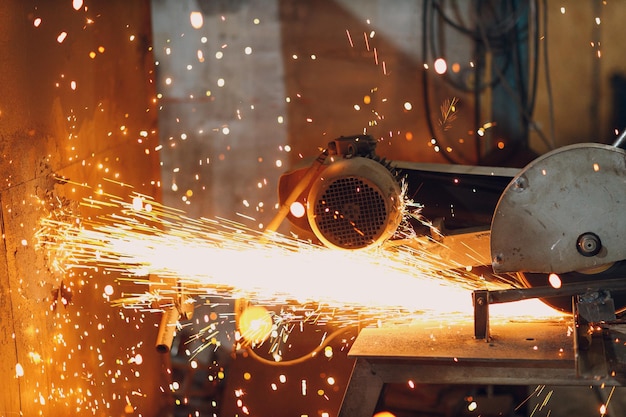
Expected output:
(165, 252)
(554, 280)
(297, 209)
(546, 399)
(196, 20)
(440, 66)
(19, 370)
(108, 290)
(206, 255)
(349, 38)
(604, 407)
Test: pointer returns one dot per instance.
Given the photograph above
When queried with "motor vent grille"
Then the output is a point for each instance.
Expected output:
(350, 213)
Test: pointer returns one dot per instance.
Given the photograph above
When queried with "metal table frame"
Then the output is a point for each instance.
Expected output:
(517, 353)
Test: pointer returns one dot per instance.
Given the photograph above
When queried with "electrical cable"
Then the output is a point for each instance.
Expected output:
(502, 26)
(515, 97)
(535, 70)
(546, 70)
(496, 39)
(302, 358)
(425, 84)
(520, 75)
(479, 64)
(474, 38)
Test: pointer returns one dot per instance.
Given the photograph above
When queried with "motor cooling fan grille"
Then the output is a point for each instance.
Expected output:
(350, 213)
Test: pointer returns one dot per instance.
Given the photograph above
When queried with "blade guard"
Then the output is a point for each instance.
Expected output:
(563, 212)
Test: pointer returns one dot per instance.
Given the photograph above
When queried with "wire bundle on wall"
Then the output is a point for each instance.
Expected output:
(502, 31)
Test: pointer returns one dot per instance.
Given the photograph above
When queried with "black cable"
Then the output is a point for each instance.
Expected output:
(502, 41)
(501, 33)
(515, 97)
(501, 27)
(535, 70)
(474, 38)
(302, 358)
(480, 46)
(552, 143)
(520, 74)
(425, 84)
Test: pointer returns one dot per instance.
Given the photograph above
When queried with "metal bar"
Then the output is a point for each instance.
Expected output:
(275, 223)
(481, 314)
(362, 392)
(518, 294)
(482, 298)
(590, 360)
(486, 373)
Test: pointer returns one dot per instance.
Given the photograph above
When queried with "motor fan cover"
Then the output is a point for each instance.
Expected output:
(354, 203)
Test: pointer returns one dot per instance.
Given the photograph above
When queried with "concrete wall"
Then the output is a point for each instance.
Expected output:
(72, 107)
(220, 143)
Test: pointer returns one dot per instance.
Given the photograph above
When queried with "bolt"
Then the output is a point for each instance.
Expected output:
(588, 244)
(520, 183)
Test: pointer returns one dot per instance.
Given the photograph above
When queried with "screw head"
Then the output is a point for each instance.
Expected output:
(588, 244)
(520, 183)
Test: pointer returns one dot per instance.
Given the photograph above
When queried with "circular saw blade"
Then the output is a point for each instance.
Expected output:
(563, 212)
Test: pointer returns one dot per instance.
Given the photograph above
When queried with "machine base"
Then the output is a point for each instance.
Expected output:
(517, 353)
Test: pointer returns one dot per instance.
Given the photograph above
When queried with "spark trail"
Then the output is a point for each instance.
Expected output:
(159, 246)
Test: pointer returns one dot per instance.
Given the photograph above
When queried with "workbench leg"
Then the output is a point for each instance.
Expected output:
(362, 392)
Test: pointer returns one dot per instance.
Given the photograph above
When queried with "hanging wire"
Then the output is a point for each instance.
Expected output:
(498, 33)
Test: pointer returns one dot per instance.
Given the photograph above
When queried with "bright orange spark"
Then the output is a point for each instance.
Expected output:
(208, 257)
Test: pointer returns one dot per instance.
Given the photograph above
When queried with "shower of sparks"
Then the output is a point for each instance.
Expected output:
(166, 250)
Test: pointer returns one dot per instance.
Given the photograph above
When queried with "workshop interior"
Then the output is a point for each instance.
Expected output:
(327, 208)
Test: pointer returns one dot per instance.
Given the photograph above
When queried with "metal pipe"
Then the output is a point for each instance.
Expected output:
(517, 294)
(297, 190)
(165, 337)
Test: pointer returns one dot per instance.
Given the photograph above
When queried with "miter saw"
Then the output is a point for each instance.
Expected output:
(557, 224)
